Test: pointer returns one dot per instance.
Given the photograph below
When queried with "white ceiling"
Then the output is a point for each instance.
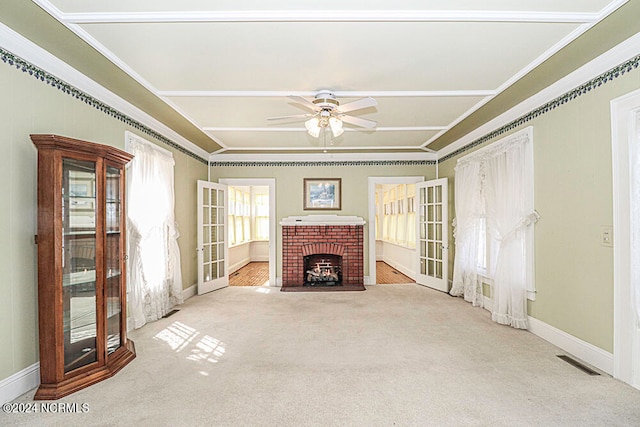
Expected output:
(229, 65)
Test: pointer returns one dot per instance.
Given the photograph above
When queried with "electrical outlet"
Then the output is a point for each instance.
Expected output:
(606, 236)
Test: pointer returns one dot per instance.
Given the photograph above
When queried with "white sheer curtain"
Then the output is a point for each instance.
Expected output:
(509, 214)
(466, 233)
(154, 274)
(496, 183)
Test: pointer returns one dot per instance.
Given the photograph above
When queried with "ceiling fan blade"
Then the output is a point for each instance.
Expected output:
(294, 116)
(304, 102)
(357, 105)
(357, 121)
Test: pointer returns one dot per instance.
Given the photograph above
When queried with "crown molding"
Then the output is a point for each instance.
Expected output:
(107, 53)
(332, 148)
(338, 94)
(89, 39)
(42, 59)
(331, 156)
(329, 16)
(302, 129)
(616, 56)
(520, 74)
(573, 35)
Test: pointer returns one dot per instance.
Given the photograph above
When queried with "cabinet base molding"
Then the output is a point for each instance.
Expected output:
(123, 356)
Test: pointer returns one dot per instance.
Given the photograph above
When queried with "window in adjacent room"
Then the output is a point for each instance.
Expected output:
(248, 214)
(398, 211)
(239, 215)
(261, 215)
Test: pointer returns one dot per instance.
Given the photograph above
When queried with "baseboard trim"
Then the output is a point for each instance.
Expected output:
(189, 292)
(19, 383)
(405, 270)
(238, 265)
(401, 268)
(583, 350)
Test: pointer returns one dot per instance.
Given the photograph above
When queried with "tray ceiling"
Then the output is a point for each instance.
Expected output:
(227, 66)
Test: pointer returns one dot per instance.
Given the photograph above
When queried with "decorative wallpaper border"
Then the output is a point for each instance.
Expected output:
(325, 163)
(13, 60)
(606, 77)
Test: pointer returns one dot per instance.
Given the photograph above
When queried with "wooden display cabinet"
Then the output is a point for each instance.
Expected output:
(81, 264)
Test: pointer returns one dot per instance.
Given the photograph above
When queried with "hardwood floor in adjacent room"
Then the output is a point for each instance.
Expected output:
(387, 275)
(252, 274)
(257, 274)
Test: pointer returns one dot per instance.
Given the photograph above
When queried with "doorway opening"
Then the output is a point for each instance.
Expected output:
(392, 234)
(625, 122)
(251, 231)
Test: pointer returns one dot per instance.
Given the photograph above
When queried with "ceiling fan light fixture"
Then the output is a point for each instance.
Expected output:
(336, 126)
(328, 114)
(313, 127)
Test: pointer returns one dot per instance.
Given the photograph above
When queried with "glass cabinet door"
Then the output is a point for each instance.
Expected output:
(79, 263)
(113, 263)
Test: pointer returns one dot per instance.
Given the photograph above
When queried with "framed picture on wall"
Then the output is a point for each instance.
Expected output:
(322, 193)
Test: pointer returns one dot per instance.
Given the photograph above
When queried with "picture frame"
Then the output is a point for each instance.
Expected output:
(323, 194)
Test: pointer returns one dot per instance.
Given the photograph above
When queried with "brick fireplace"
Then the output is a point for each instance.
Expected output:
(322, 252)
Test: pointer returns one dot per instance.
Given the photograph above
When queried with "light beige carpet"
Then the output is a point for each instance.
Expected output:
(399, 355)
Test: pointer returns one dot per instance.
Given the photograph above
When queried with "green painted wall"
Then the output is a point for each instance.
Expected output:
(289, 187)
(187, 172)
(574, 196)
(30, 106)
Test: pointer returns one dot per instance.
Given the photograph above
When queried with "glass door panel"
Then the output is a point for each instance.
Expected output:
(433, 242)
(112, 256)
(79, 263)
(212, 236)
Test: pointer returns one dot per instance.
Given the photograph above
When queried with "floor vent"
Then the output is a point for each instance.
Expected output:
(578, 365)
(171, 313)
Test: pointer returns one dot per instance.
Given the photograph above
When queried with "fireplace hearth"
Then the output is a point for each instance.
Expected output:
(322, 252)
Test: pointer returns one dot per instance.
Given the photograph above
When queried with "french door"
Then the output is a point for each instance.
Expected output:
(432, 234)
(212, 237)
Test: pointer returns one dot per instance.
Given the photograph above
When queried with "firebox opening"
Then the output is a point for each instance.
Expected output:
(323, 270)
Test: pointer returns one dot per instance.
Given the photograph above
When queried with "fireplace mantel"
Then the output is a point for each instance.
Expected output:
(322, 220)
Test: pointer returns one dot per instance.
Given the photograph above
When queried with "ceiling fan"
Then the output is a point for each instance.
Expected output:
(327, 113)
